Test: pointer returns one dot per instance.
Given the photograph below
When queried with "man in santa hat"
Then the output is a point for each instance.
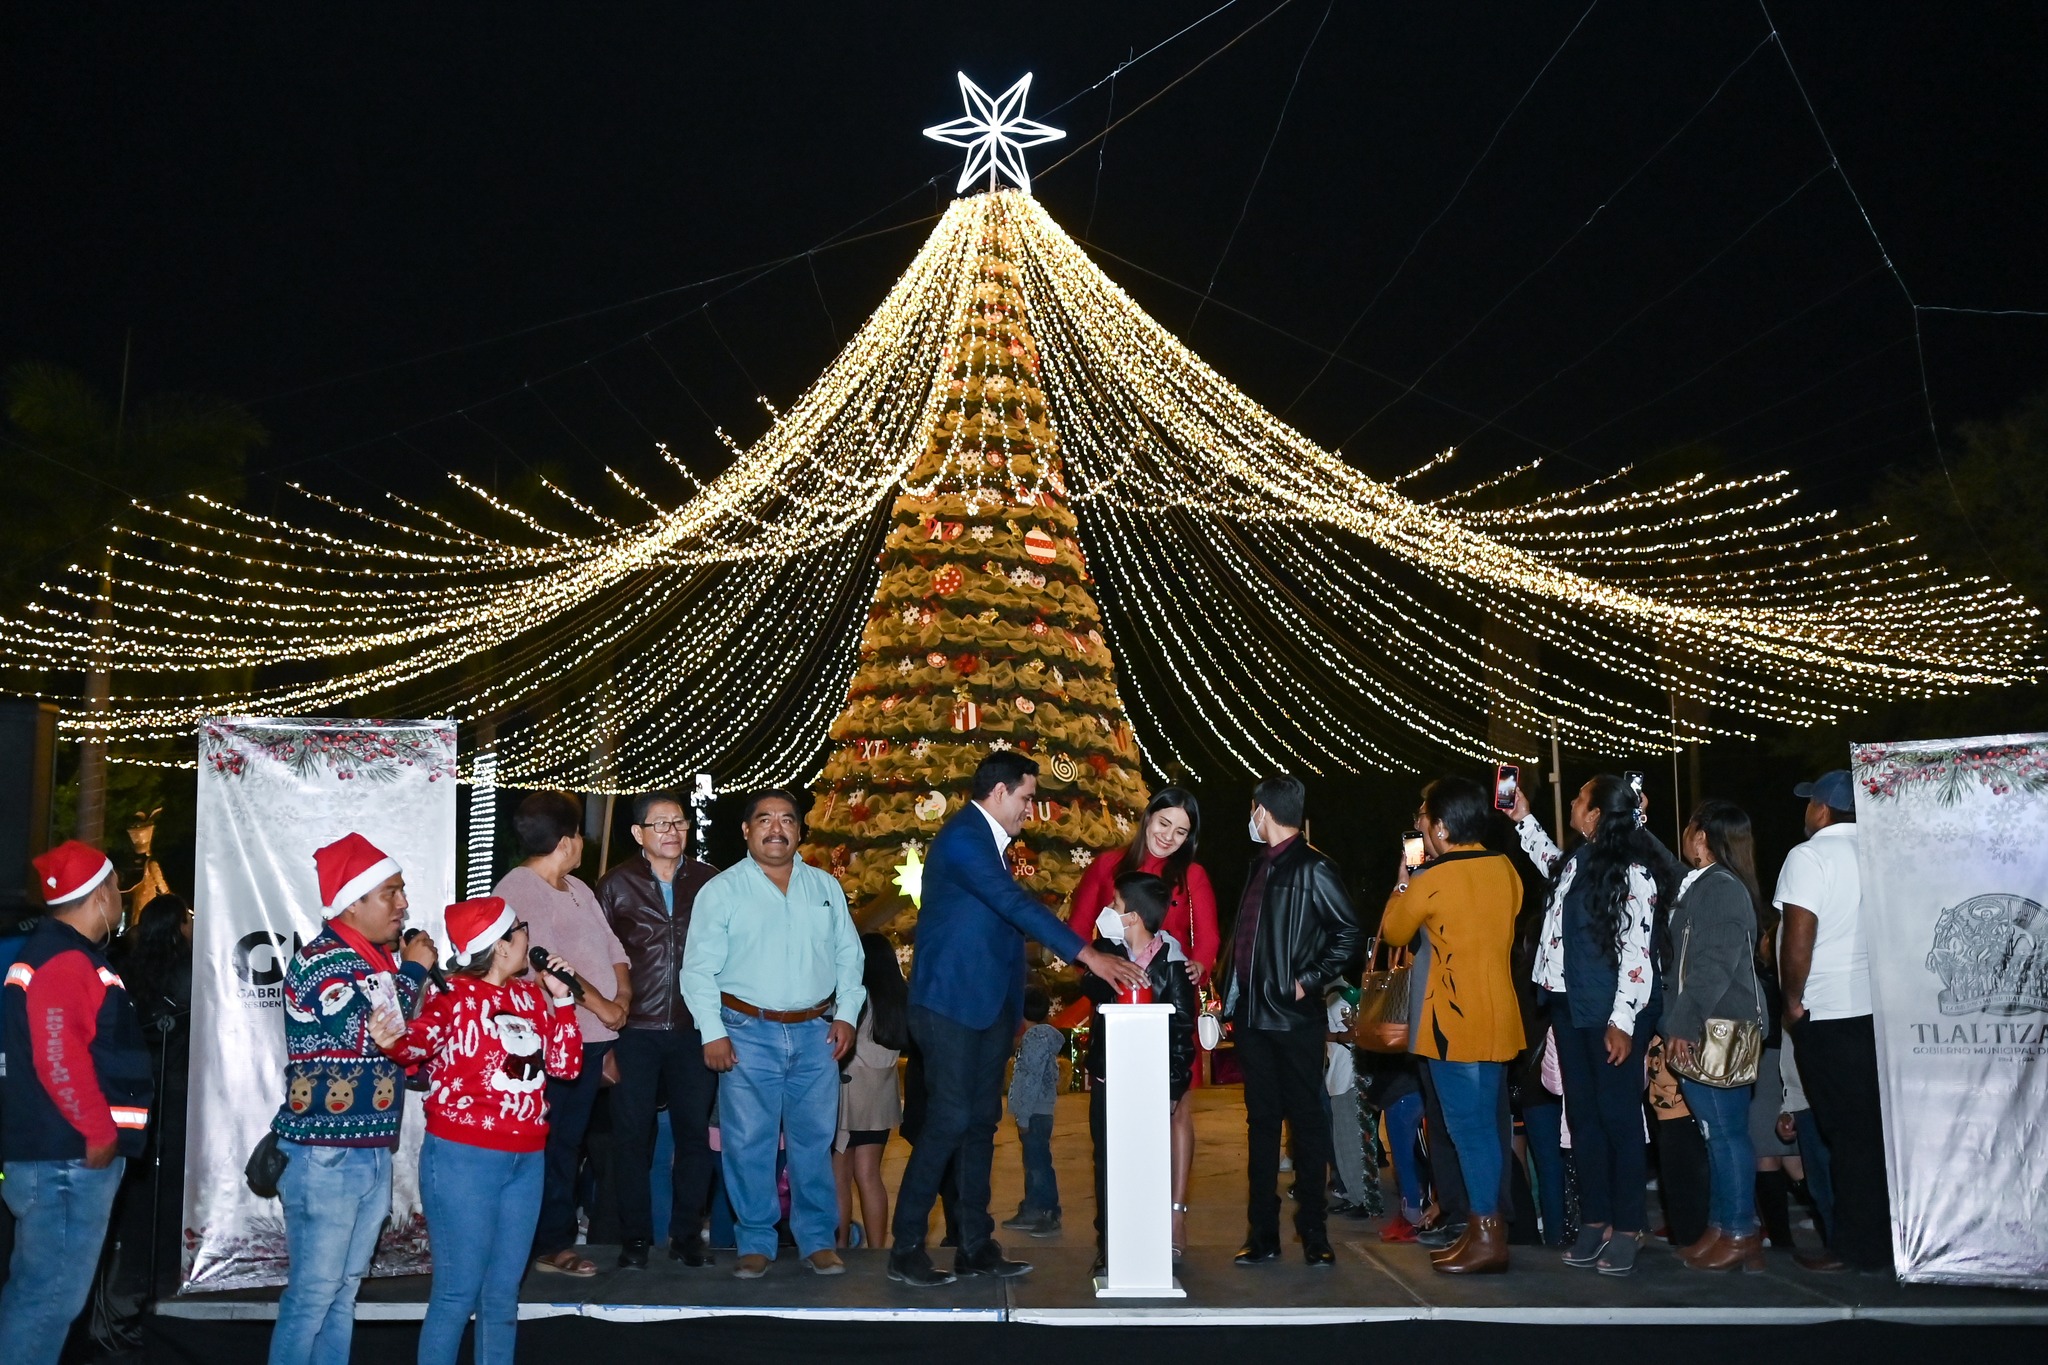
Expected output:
(339, 1123)
(74, 1100)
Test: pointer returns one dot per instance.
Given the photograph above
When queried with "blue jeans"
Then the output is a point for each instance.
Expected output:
(1813, 1154)
(1470, 1093)
(1723, 1117)
(335, 1202)
(1041, 1186)
(784, 1081)
(1604, 1104)
(1404, 1124)
(1544, 1126)
(481, 1208)
(61, 1210)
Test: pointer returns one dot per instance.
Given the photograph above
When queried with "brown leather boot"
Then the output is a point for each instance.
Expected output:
(1703, 1247)
(1745, 1253)
(1484, 1250)
(1445, 1253)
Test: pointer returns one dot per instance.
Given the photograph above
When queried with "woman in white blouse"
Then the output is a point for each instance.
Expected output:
(1596, 964)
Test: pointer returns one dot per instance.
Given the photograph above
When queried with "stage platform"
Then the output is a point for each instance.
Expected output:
(1370, 1283)
(1376, 1292)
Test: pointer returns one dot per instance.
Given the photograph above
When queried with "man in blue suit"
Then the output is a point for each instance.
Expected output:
(966, 996)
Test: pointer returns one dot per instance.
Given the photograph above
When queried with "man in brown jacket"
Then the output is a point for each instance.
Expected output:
(648, 899)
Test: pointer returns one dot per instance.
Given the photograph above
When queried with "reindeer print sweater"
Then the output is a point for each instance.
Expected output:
(490, 1050)
(340, 1089)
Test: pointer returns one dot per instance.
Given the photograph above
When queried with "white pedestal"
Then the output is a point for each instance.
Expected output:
(1139, 1142)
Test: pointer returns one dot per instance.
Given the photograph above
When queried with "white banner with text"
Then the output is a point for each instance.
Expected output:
(270, 792)
(1953, 856)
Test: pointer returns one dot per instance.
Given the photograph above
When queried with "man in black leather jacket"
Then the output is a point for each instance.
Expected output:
(647, 899)
(1296, 932)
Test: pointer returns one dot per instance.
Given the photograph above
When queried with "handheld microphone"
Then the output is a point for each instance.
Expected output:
(434, 973)
(539, 958)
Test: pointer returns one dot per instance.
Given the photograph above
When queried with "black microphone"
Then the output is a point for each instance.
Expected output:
(539, 958)
(434, 973)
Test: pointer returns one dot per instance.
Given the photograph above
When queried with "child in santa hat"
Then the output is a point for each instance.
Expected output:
(491, 1040)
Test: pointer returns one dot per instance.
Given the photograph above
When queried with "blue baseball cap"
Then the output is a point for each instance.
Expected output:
(1835, 790)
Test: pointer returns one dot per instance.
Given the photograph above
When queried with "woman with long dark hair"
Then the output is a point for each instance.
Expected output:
(1596, 961)
(1713, 933)
(1164, 844)
(870, 1104)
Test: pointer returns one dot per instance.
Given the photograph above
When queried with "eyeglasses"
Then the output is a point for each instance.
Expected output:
(518, 926)
(664, 826)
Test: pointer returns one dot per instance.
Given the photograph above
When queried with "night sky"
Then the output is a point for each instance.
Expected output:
(594, 222)
(277, 200)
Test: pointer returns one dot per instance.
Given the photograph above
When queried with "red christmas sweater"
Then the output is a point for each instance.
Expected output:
(491, 1050)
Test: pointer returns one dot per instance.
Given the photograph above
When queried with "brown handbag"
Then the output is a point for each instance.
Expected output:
(1381, 1021)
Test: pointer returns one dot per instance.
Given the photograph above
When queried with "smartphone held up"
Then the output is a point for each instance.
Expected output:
(1507, 780)
(1413, 854)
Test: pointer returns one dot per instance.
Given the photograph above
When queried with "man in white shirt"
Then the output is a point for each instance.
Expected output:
(1824, 966)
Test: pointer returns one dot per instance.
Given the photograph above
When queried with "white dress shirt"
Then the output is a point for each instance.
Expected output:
(1002, 835)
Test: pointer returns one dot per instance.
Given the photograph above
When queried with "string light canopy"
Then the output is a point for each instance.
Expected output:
(1269, 602)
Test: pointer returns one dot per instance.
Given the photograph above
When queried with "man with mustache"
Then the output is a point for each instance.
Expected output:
(772, 976)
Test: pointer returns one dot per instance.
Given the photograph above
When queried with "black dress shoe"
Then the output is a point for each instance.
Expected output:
(1257, 1253)
(1100, 1268)
(689, 1250)
(989, 1261)
(1317, 1251)
(912, 1267)
(1440, 1236)
(633, 1254)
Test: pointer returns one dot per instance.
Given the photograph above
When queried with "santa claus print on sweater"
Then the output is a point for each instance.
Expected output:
(490, 1051)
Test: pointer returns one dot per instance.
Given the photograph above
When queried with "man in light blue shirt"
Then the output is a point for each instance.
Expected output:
(772, 975)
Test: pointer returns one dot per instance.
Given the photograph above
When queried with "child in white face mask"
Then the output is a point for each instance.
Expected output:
(1129, 927)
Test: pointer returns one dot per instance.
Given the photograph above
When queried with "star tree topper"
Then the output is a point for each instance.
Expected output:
(995, 133)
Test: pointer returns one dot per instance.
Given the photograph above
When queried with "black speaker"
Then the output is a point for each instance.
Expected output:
(28, 748)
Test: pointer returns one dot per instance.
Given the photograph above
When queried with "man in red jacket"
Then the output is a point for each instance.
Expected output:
(74, 1100)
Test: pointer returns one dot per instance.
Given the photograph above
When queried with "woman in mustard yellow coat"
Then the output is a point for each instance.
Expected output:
(1466, 899)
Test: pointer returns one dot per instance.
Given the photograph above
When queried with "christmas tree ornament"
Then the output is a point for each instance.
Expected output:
(930, 807)
(909, 879)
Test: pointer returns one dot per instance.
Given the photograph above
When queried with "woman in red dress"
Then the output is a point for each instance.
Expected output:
(1165, 846)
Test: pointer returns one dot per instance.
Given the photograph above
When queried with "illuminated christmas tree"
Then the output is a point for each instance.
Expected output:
(983, 635)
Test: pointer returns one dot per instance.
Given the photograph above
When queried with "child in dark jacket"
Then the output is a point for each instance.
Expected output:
(1129, 927)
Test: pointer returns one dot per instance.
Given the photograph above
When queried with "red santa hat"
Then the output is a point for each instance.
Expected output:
(473, 926)
(70, 870)
(350, 868)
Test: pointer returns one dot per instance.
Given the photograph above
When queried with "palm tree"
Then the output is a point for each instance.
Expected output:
(87, 461)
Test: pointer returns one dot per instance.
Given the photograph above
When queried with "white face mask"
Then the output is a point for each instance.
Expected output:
(1110, 924)
(1253, 829)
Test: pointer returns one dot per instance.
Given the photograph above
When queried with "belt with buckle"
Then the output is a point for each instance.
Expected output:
(733, 1002)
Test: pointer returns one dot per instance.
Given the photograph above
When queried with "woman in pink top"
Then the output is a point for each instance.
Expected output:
(563, 916)
(1164, 846)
